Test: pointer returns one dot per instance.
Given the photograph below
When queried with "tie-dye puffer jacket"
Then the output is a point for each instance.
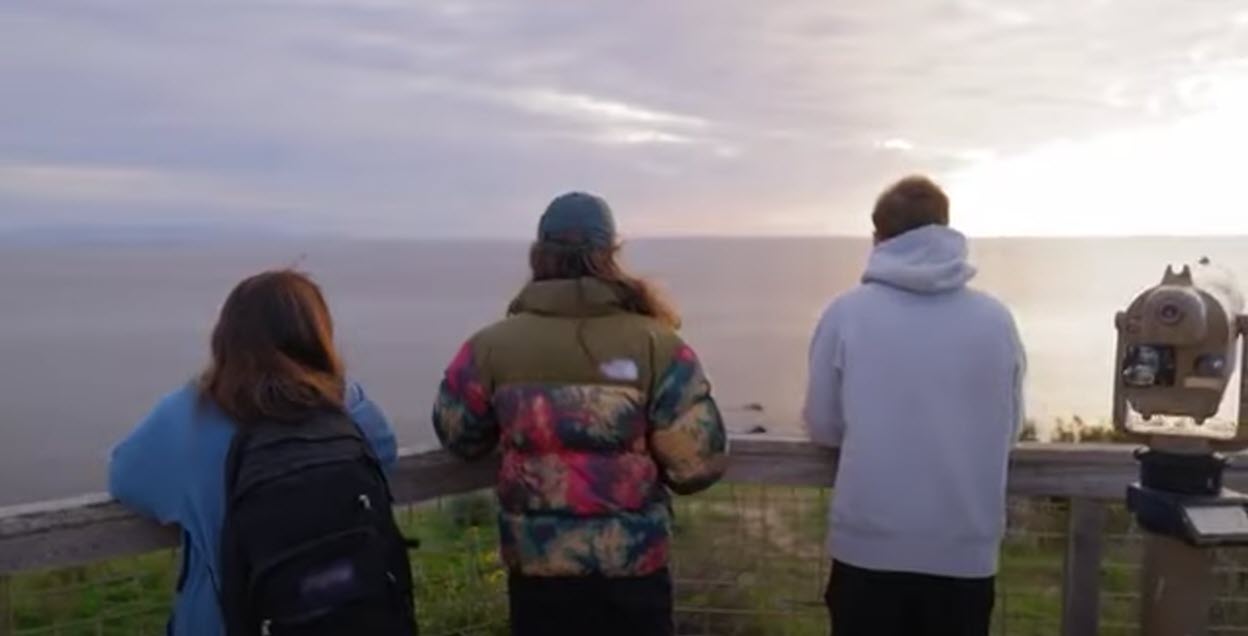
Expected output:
(599, 413)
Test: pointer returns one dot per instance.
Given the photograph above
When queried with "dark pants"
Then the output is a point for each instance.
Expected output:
(597, 606)
(872, 603)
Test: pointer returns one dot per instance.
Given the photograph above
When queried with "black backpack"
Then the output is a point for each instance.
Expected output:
(310, 546)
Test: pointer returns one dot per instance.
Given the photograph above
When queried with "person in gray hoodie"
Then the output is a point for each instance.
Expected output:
(918, 380)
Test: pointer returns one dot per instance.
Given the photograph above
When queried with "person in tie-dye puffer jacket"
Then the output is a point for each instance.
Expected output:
(600, 409)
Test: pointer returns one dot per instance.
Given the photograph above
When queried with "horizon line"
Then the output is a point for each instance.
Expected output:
(232, 234)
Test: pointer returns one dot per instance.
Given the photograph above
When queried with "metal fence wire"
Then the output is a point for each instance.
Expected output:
(748, 560)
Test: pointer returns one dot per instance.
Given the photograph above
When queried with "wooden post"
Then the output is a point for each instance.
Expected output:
(1081, 588)
(1177, 588)
(7, 619)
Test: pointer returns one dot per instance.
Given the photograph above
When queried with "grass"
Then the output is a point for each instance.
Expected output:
(460, 584)
(121, 597)
(749, 560)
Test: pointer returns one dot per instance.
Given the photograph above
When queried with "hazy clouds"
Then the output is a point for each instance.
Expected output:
(455, 118)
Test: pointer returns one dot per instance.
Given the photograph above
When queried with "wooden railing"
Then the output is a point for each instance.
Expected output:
(93, 528)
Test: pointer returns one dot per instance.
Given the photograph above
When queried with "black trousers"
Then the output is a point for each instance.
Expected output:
(872, 603)
(591, 606)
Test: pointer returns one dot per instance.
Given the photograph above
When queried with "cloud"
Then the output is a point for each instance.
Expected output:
(462, 117)
(634, 136)
(999, 13)
(599, 110)
(1178, 178)
(125, 184)
(935, 154)
(600, 120)
(895, 143)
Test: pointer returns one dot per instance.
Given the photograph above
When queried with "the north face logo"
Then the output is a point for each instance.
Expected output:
(621, 369)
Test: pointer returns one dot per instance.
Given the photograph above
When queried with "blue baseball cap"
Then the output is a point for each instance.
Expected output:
(578, 219)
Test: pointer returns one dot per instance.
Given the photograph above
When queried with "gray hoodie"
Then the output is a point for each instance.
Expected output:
(918, 379)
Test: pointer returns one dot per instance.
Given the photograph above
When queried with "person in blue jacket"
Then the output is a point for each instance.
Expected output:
(272, 355)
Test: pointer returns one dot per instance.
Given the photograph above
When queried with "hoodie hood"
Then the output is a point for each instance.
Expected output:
(929, 260)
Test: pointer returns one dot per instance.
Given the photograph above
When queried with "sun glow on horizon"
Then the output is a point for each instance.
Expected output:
(1181, 178)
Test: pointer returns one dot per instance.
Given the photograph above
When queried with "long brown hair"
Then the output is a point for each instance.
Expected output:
(273, 355)
(551, 261)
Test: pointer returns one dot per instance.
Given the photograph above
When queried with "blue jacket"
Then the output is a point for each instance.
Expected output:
(171, 468)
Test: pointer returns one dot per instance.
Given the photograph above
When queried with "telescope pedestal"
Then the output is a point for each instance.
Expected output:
(1185, 512)
(1177, 588)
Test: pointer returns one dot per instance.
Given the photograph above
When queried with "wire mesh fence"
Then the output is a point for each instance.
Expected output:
(748, 560)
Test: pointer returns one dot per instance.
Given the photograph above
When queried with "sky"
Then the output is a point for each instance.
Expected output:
(462, 118)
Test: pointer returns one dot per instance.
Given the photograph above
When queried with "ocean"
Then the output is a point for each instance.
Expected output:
(91, 336)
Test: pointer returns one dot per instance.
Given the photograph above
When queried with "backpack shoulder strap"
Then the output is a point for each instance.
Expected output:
(224, 586)
(233, 461)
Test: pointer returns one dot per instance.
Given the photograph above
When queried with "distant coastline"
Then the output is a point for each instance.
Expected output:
(209, 233)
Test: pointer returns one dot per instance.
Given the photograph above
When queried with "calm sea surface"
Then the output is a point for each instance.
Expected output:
(92, 336)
